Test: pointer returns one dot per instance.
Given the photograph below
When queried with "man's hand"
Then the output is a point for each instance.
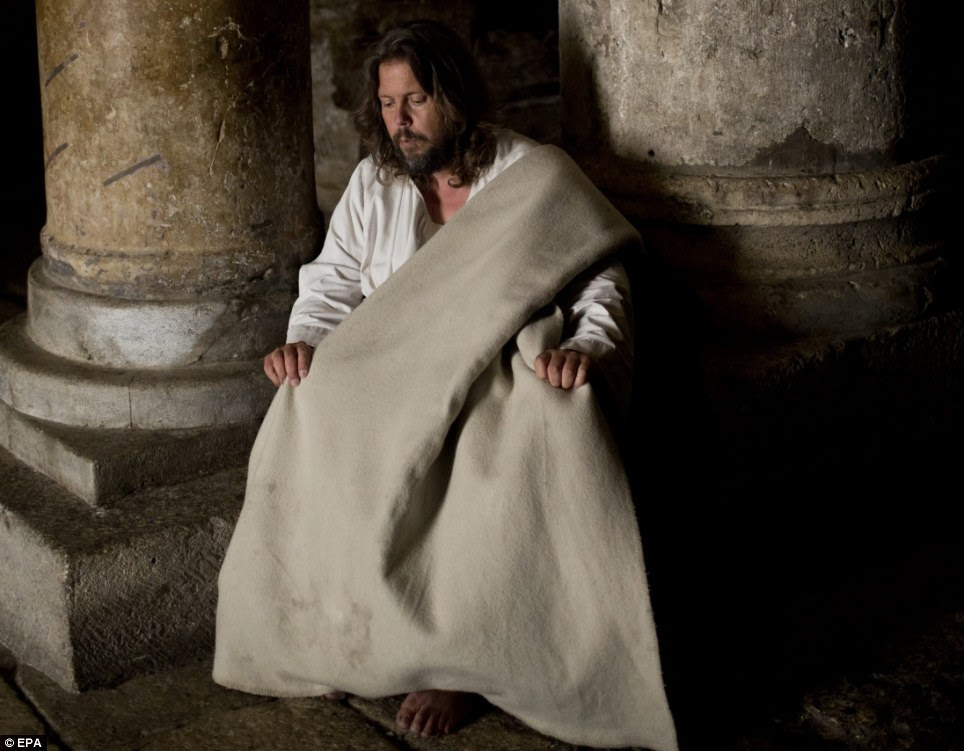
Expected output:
(289, 361)
(563, 368)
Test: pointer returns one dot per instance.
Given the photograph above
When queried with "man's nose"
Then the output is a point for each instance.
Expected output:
(402, 115)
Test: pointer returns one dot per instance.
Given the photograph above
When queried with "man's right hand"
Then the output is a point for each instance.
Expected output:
(289, 361)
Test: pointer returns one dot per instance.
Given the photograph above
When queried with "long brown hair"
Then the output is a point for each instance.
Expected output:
(447, 72)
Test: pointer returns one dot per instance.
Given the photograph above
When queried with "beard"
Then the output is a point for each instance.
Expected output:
(434, 156)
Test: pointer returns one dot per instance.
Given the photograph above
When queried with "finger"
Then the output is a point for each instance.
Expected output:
(304, 359)
(569, 368)
(291, 365)
(582, 375)
(556, 365)
(540, 366)
(270, 370)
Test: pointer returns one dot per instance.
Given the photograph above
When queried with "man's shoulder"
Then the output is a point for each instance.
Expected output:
(510, 147)
(365, 173)
(368, 180)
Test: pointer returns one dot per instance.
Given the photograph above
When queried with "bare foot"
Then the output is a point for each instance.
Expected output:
(335, 695)
(428, 713)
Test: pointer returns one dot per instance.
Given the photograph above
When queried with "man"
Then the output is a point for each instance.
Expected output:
(432, 156)
(436, 152)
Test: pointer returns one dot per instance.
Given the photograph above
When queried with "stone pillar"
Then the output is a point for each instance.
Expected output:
(786, 160)
(779, 147)
(180, 204)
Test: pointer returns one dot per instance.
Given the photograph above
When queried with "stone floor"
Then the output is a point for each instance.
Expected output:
(913, 704)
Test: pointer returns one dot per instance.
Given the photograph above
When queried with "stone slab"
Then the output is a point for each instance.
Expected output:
(100, 465)
(493, 730)
(288, 723)
(95, 596)
(134, 712)
(16, 716)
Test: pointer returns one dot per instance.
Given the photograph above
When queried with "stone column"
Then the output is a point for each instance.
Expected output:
(786, 159)
(785, 148)
(180, 204)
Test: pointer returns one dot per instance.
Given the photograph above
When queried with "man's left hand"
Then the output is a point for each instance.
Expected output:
(563, 368)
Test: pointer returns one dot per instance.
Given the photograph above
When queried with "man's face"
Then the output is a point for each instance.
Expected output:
(412, 120)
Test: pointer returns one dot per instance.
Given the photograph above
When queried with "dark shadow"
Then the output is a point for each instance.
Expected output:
(24, 201)
(787, 547)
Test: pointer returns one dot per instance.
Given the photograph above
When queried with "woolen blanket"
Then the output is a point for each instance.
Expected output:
(423, 512)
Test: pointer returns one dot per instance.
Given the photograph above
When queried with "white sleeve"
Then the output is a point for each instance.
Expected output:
(598, 310)
(329, 287)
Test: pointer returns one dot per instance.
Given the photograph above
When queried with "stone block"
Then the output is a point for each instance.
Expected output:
(99, 465)
(94, 596)
(134, 712)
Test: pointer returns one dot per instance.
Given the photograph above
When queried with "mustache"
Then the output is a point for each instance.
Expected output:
(409, 134)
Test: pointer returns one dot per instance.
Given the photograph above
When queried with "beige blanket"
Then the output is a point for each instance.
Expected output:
(422, 512)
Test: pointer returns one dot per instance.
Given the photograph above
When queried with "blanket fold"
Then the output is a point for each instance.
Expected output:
(422, 512)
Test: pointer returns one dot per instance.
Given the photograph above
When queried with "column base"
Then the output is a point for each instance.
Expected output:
(104, 432)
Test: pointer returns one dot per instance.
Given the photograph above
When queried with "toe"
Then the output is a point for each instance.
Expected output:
(430, 727)
(420, 720)
(404, 718)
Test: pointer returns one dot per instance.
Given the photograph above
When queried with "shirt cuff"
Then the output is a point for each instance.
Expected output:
(594, 348)
(310, 335)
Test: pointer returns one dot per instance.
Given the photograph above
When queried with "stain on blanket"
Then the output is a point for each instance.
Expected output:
(355, 636)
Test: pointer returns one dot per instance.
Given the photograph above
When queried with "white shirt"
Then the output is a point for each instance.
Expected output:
(375, 228)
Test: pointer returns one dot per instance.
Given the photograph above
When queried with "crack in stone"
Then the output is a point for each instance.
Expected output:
(60, 68)
(135, 167)
(54, 154)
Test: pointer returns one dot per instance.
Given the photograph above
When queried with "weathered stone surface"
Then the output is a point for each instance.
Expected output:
(120, 333)
(493, 730)
(135, 712)
(916, 704)
(41, 385)
(16, 716)
(298, 723)
(101, 465)
(178, 146)
(8, 662)
(713, 83)
(791, 202)
(781, 406)
(95, 596)
(711, 196)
